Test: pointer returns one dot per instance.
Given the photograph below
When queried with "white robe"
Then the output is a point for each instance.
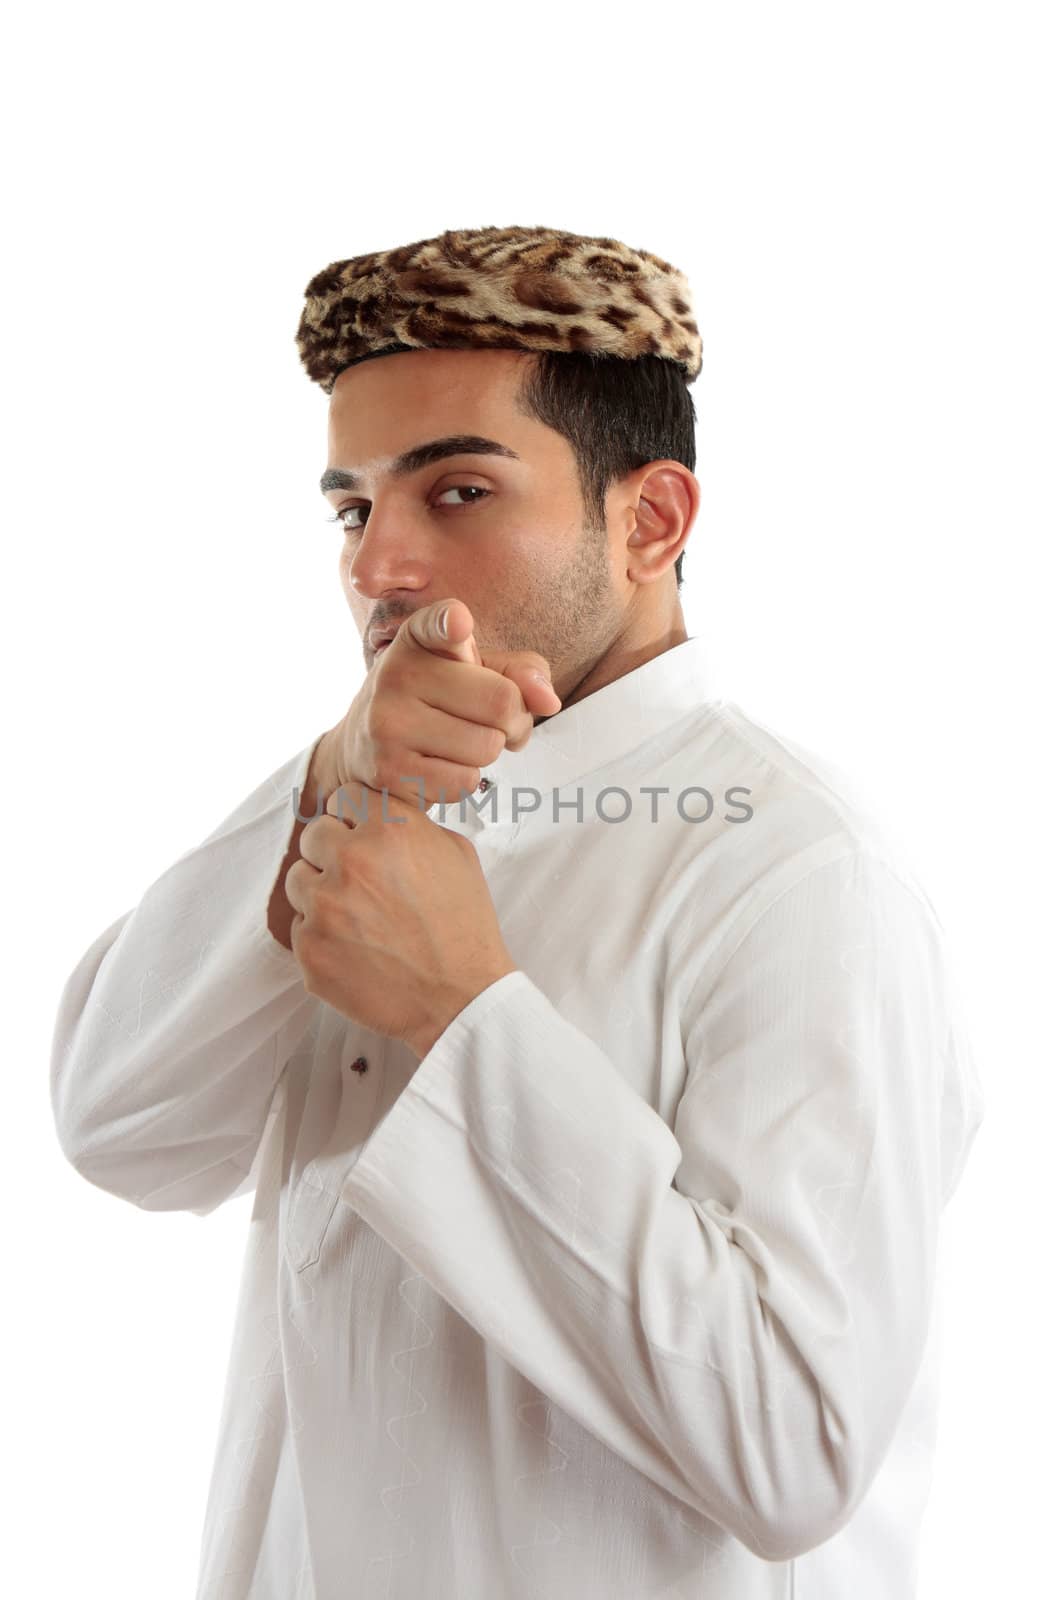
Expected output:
(629, 1290)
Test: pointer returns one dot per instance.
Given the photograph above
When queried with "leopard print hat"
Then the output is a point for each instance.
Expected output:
(482, 288)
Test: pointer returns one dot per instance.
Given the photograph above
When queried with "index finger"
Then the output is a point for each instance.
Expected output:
(445, 628)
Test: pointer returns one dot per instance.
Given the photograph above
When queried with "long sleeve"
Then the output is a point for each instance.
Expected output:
(174, 1027)
(738, 1305)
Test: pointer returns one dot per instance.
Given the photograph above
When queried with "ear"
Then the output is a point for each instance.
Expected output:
(667, 503)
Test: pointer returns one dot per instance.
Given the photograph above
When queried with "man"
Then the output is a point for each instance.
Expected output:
(593, 1056)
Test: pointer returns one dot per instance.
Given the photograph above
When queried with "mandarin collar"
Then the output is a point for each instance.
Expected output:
(594, 732)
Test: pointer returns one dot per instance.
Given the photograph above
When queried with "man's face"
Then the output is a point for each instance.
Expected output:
(512, 546)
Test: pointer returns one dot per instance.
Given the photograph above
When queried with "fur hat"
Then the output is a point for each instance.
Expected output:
(513, 288)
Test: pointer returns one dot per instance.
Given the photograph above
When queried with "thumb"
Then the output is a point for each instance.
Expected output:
(445, 628)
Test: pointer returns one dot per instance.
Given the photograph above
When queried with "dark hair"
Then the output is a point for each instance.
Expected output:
(617, 413)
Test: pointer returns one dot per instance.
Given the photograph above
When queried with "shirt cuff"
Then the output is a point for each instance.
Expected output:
(512, 1095)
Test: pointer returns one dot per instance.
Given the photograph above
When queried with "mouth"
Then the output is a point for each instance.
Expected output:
(382, 643)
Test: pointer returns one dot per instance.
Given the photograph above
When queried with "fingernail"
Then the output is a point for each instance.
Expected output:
(442, 621)
(538, 677)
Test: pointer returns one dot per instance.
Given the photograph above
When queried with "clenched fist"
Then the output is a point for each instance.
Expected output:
(395, 926)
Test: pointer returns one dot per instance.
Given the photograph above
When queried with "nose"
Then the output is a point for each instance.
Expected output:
(389, 557)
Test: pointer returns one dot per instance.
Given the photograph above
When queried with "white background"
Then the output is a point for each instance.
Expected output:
(849, 190)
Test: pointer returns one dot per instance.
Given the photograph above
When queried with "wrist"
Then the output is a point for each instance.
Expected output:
(450, 1004)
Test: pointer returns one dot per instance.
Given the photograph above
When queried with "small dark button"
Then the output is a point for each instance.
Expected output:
(359, 1065)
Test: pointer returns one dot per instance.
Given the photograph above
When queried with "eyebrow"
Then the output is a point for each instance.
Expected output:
(421, 455)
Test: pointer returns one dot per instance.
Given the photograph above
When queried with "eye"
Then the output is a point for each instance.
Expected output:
(466, 488)
(455, 488)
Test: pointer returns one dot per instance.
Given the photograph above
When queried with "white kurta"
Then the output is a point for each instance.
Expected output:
(629, 1289)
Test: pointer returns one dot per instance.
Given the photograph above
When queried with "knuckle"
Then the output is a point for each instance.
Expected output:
(319, 910)
(311, 950)
(504, 700)
(313, 977)
(381, 725)
(302, 945)
(322, 908)
(494, 741)
(383, 771)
